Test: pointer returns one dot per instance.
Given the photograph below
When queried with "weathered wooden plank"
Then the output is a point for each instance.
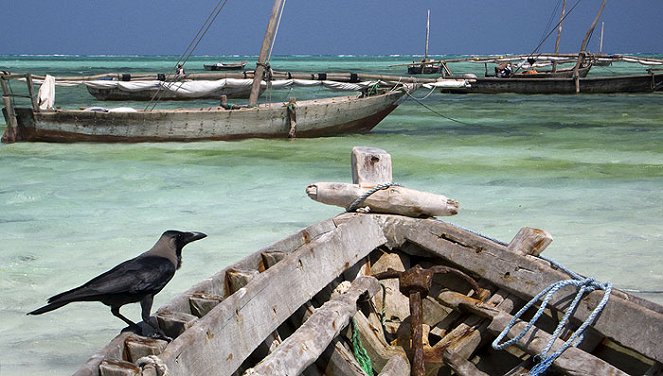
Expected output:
(200, 303)
(526, 276)
(215, 285)
(304, 346)
(138, 347)
(392, 200)
(530, 241)
(113, 350)
(398, 365)
(572, 361)
(460, 365)
(376, 346)
(337, 360)
(370, 166)
(471, 334)
(111, 367)
(222, 339)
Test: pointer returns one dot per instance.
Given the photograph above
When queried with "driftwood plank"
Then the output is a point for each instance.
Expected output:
(222, 339)
(526, 276)
(304, 346)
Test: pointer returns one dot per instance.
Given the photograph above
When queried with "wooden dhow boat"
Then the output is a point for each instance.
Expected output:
(631, 83)
(391, 290)
(310, 118)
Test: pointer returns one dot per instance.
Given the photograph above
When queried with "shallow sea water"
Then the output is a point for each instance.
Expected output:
(588, 169)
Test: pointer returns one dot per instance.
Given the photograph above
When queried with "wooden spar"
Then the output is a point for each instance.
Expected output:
(31, 93)
(559, 33)
(265, 51)
(372, 167)
(392, 200)
(601, 37)
(583, 45)
(12, 122)
(427, 34)
(304, 346)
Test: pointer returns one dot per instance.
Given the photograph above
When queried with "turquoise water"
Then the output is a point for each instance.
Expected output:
(588, 169)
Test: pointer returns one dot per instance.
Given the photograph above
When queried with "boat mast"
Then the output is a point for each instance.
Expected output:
(265, 51)
(559, 34)
(583, 46)
(427, 34)
(601, 39)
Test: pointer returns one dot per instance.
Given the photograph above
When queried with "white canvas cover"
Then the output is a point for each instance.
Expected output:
(47, 93)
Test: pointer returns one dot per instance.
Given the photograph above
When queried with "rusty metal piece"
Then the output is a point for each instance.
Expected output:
(416, 279)
(416, 283)
(439, 269)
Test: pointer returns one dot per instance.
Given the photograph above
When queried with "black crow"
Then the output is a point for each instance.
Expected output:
(135, 280)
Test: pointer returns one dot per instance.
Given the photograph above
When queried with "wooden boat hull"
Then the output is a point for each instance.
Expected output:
(560, 73)
(591, 85)
(424, 69)
(227, 321)
(314, 118)
(224, 66)
(115, 94)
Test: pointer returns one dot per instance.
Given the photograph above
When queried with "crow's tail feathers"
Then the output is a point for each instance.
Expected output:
(48, 308)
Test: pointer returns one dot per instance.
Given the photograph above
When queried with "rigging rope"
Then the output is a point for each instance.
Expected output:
(518, 67)
(436, 112)
(204, 28)
(583, 285)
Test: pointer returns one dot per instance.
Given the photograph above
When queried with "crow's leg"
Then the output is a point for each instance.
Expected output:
(146, 307)
(116, 312)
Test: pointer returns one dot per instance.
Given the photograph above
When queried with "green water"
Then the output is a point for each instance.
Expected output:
(588, 169)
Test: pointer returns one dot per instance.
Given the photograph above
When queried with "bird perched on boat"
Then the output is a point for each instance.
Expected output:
(135, 280)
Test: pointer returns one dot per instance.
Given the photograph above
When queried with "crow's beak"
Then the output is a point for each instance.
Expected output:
(193, 236)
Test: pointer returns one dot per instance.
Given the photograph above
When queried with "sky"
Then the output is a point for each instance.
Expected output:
(322, 27)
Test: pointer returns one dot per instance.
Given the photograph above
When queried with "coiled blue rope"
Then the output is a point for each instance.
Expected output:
(583, 286)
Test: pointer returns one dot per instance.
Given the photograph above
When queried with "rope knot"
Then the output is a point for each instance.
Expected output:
(359, 200)
(154, 362)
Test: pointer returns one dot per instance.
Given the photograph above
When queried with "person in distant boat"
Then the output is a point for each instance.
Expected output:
(179, 70)
(228, 106)
(504, 70)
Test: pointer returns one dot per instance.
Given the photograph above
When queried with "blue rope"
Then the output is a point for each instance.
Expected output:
(583, 286)
(355, 204)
